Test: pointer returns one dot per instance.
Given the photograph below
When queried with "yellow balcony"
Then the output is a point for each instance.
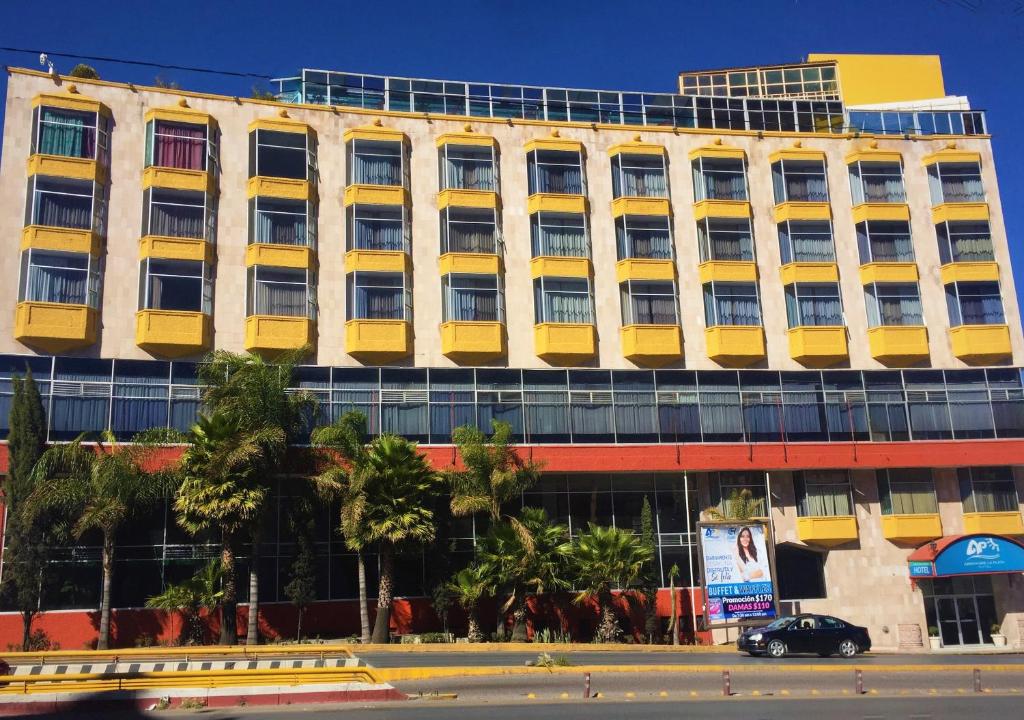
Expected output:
(981, 344)
(818, 346)
(67, 167)
(888, 272)
(172, 333)
(41, 237)
(809, 272)
(472, 343)
(470, 264)
(969, 272)
(551, 202)
(485, 199)
(898, 345)
(735, 345)
(640, 206)
(55, 327)
(288, 256)
(574, 267)
(652, 345)
(993, 523)
(802, 211)
(827, 531)
(946, 212)
(377, 261)
(466, 138)
(174, 248)
(565, 343)
(179, 179)
(727, 271)
(644, 269)
(734, 209)
(376, 195)
(911, 529)
(378, 341)
(286, 188)
(888, 212)
(273, 334)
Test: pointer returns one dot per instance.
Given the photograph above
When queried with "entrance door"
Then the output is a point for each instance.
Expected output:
(970, 628)
(959, 620)
(949, 623)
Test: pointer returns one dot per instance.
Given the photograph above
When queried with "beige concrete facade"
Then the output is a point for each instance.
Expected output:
(120, 282)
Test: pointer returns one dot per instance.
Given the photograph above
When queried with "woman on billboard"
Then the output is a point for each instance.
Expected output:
(747, 563)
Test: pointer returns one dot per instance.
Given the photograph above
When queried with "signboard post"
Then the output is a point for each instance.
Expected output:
(737, 566)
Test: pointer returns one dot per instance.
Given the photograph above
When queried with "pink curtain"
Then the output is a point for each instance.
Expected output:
(179, 146)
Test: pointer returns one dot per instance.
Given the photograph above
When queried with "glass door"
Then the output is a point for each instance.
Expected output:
(959, 620)
(949, 624)
(967, 612)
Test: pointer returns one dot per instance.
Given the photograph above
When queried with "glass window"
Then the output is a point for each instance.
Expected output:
(282, 222)
(64, 202)
(809, 305)
(731, 304)
(59, 277)
(974, 303)
(823, 493)
(639, 176)
(468, 167)
(877, 182)
(961, 241)
(176, 145)
(68, 133)
(893, 304)
(471, 298)
(559, 235)
(988, 489)
(726, 488)
(806, 241)
(175, 285)
(884, 241)
(377, 227)
(282, 155)
(648, 303)
(374, 162)
(378, 296)
(801, 573)
(563, 300)
(725, 239)
(643, 236)
(906, 491)
(800, 181)
(719, 179)
(177, 213)
(280, 291)
(555, 171)
(955, 183)
(469, 230)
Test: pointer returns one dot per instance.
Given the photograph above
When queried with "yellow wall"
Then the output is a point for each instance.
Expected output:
(865, 79)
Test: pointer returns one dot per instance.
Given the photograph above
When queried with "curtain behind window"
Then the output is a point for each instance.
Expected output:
(558, 179)
(65, 133)
(823, 494)
(643, 182)
(177, 221)
(67, 211)
(471, 237)
(651, 309)
(379, 303)
(179, 146)
(281, 299)
(57, 284)
(280, 228)
(463, 173)
(473, 305)
(377, 170)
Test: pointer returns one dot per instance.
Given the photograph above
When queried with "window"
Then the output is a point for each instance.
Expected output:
(893, 304)
(806, 241)
(278, 221)
(955, 183)
(964, 242)
(639, 176)
(471, 298)
(555, 171)
(725, 239)
(731, 304)
(278, 291)
(468, 167)
(377, 227)
(281, 155)
(177, 213)
(988, 489)
(801, 573)
(719, 179)
(643, 236)
(727, 487)
(559, 235)
(378, 296)
(59, 277)
(813, 305)
(648, 303)
(799, 181)
(376, 162)
(70, 133)
(175, 285)
(65, 203)
(177, 145)
(884, 241)
(877, 182)
(823, 493)
(562, 300)
(469, 230)
(906, 492)
(974, 303)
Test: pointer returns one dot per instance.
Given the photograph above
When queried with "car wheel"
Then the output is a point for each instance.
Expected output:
(847, 648)
(776, 648)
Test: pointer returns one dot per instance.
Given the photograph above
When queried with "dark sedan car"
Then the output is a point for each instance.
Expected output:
(820, 634)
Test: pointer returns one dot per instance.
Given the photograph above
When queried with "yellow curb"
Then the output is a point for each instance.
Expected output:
(531, 696)
(784, 692)
(631, 694)
(564, 696)
(663, 694)
(471, 648)
(815, 692)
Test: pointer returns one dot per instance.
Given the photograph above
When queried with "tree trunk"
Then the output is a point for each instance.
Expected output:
(229, 601)
(608, 628)
(252, 635)
(103, 641)
(382, 623)
(298, 625)
(674, 620)
(364, 610)
(26, 628)
(519, 629)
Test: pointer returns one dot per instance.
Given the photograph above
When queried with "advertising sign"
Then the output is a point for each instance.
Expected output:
(737, 567)
(974, 554)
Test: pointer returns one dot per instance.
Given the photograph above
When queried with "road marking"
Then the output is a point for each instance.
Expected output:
(872, 691)
(693, 693)
(531, 696)
(932, 691)
(756, 693)
(960, 691)
(631, 694)
(845, 691)
(815, 692)
(564, 696)
(663, 694)
(784, 692)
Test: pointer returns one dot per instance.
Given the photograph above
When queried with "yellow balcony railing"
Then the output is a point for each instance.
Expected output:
(994, 523)
(172, 333)
(652, 345)
(469, 263)
(802, 211)
(67, 167)
(981, 344)
(888, 272)
(640, 206)
(175, 248)
(278, 333)
(572, 267)
(55, 327)
(394, 261)
(727, 271)
(44, 237)
(735, 345)
(298, 257)
(378, 340)
(553, 202)
(472, 343)
(178, 179)
(644, 269)
(911, 529)
(809, 272)
(818, 346)
(969, 272)
(733, 209)
(968, 211)
(376, 195)
(484, 199)
(899, 345)
(565, 343)
(889, 212)
(286, 188)
(827, 530)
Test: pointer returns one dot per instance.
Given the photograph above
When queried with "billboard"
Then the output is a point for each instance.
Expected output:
(738, 570)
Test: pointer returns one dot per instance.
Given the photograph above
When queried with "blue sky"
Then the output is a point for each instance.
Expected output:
(589, 43)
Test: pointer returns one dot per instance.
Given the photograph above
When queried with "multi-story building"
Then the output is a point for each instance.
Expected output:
(793, 279)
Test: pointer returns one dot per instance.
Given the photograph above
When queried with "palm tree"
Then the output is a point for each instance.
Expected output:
(605, 557)
(97, 489)
(740, 505)
(468, 586)
(202, 590)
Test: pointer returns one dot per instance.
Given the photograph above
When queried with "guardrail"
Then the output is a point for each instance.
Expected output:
(205, 652)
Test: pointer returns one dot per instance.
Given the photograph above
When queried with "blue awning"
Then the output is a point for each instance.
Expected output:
(967, 555)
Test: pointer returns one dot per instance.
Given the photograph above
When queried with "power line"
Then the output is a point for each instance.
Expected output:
(123, 61)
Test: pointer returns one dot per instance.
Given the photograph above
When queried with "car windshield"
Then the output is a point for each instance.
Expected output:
(779, 624)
